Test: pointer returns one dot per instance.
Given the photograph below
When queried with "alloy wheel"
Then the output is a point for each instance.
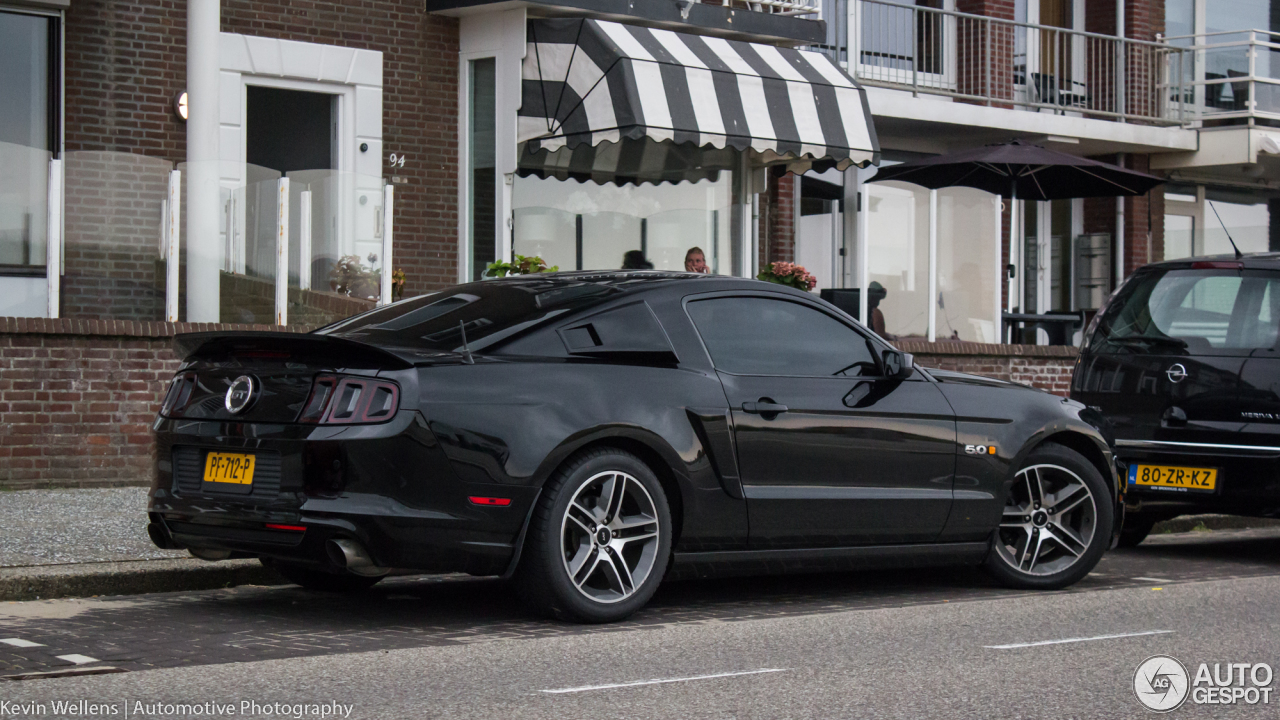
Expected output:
(609, 537)
(1049, 521)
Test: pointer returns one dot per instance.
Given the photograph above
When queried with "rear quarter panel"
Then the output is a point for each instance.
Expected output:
(515, 423)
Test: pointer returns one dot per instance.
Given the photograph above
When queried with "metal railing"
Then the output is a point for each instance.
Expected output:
(1004, 63)
(784, 7)
(1230, 75)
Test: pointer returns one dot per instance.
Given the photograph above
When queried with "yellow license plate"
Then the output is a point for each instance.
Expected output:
(1170, 477)
(232, 468)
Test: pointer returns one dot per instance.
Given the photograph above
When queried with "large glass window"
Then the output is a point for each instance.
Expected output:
(1247, 223)
(482, 170)
(585, 226)
(898, 256)
(761, 336)
(27, 135)
(967, 260)
(1179, 236)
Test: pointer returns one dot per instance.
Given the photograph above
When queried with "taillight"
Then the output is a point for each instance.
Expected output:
(339, 400)
(175, 401)
(1217, 265)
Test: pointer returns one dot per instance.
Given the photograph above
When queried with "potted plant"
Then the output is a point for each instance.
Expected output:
(350, 277)
(397, 284)
(519, 265)
(789, 274)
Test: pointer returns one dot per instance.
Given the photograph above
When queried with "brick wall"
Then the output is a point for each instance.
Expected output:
(77, 397)
(1047, 367)
(985, 52)
(126, 61)
(779, 208)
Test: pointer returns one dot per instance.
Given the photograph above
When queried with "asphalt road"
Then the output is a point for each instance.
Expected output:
(910, 644)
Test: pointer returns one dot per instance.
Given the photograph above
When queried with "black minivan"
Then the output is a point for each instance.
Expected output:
(1184, 360)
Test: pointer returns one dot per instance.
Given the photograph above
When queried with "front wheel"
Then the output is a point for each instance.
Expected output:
(599, 540)
(1057, 521)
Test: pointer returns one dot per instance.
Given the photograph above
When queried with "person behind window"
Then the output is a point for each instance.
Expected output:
(635, 260)
(875, 295)
(695, 261)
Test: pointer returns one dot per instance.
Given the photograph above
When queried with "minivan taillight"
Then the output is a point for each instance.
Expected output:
(1217, 265)
(175, 401)
(337, 400)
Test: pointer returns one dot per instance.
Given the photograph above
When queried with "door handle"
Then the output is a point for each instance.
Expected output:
(764, 406)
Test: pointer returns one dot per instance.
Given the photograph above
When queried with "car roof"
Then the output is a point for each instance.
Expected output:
(1250, 261)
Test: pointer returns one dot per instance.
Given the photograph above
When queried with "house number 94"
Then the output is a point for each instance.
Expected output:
(397, 160)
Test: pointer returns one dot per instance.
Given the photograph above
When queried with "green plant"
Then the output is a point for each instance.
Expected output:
(350, 277)
(397, 284)
(789, 274)
(520, 265)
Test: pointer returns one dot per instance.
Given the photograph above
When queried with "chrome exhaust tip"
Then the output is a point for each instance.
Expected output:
(352, 556)
(161, 538)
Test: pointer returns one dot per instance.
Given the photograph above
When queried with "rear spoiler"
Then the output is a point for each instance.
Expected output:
(335, 351)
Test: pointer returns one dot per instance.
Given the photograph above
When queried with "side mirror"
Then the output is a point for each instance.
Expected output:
(898, 365)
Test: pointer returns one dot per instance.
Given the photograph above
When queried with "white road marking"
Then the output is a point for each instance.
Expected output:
(65, 672)
(78, 659)
(661, 681)
(18, 642)
(1159, 580)
(1075, 640)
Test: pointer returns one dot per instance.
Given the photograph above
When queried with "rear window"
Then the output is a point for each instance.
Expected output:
(491, 311)
(1193, 311)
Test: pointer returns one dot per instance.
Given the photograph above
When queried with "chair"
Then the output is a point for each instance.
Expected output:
(1239, 90)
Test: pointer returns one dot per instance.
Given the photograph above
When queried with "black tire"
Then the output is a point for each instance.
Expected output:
(1086, 528)
(319, 580)
(1136, 528)
(543, 577)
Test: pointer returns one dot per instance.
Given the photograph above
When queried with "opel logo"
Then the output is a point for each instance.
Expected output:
(240, 394)
(1176, 373)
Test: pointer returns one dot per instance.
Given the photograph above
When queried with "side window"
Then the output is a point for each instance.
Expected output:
(762, 336)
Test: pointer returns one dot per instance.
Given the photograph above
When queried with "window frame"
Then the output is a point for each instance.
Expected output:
(56, 107)
(877, 348)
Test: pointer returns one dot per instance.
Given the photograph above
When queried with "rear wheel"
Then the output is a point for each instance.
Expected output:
(599, 540)
(1057, 521)
(314, 579)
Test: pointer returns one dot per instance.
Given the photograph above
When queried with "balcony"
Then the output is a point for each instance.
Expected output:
(811, 8)
(1230, 78)
(1006, 64)
(781, 22)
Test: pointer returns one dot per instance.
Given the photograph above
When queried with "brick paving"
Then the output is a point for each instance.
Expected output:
(256, 623)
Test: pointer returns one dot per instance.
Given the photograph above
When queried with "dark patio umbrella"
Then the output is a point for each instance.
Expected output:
(1017, 171)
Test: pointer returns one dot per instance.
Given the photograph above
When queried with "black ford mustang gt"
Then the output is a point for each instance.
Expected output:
(590, 433)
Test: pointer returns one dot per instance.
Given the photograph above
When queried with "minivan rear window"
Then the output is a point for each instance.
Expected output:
(1194, 311)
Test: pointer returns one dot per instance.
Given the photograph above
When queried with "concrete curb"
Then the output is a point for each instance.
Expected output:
(129, 578)
(1190, 523)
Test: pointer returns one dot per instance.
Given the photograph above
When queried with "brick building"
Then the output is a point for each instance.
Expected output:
(322, 106)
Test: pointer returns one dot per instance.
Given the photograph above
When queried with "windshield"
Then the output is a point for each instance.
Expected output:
(488, 312)
(1193, 311)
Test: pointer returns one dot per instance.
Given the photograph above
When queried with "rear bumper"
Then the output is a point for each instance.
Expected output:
(388, 487)
(1248, 481)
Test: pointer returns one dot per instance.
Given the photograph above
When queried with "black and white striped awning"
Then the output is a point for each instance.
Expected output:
(620, 103)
